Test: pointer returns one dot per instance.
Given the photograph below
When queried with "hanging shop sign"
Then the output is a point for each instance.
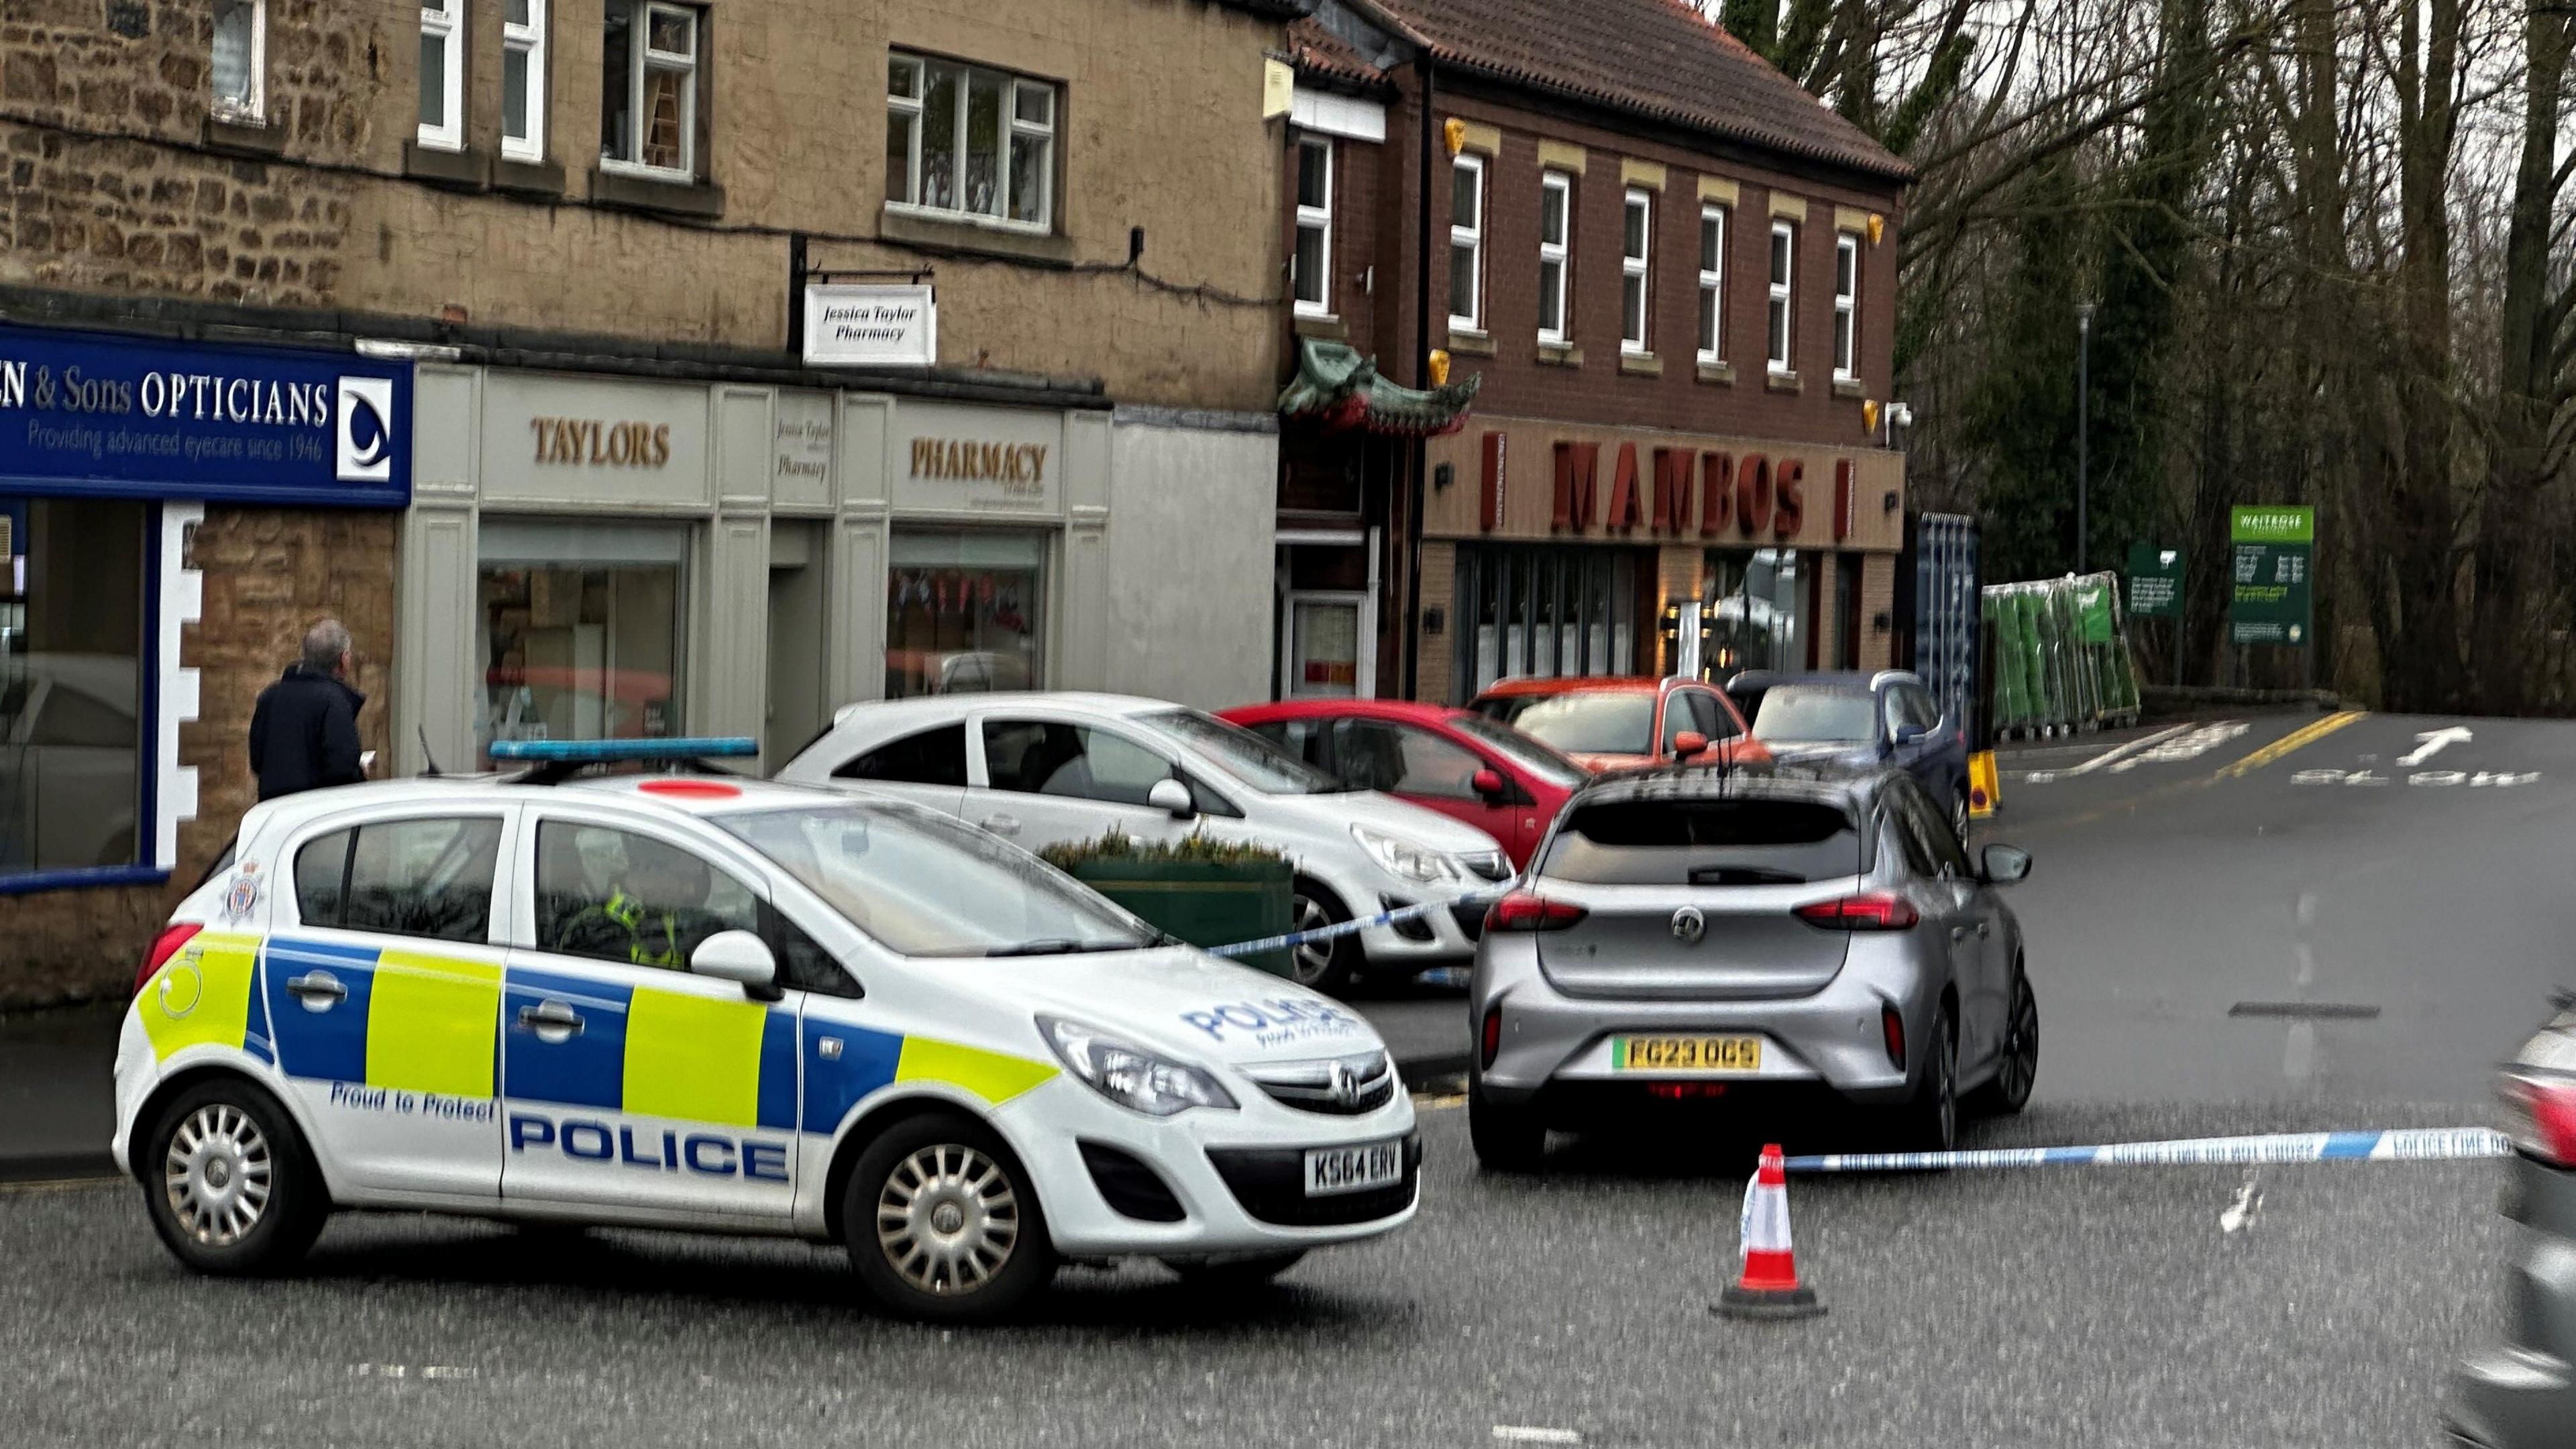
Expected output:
(850, 324)
(96, 414)
(2155, 581)
(2269, 602)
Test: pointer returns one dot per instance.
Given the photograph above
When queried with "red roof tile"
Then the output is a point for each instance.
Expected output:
(1317, 51)
(1655, 58)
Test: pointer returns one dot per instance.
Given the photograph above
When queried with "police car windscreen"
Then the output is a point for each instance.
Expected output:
(923, 885)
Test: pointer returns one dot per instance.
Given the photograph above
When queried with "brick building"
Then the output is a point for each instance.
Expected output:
(1664, 275)
(558, 248)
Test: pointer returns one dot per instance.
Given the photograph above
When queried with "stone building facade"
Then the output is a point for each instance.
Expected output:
(602, 211)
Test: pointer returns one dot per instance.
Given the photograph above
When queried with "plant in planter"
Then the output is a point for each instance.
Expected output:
(1206, 891)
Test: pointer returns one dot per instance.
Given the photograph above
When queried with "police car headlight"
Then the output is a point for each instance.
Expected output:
(1403, 857)
(1131, 1076)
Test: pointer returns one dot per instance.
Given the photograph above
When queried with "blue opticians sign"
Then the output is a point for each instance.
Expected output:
(87, 413)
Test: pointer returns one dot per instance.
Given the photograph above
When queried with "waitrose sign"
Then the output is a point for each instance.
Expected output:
(85, 413)
(2269, 601)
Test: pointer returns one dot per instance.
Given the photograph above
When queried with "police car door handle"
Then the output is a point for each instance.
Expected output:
(1002, 824)
(318, 990)
(552, 1021)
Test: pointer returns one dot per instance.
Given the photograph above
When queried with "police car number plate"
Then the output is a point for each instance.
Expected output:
(1331, 1170)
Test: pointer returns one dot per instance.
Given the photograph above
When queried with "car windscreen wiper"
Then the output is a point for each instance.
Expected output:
(1060, 946)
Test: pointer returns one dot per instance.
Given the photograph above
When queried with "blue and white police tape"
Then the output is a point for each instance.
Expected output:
(2433, 1144)
(1360, 923)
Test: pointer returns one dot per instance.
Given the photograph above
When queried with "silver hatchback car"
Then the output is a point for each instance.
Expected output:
(1730, 939)
(2521, 1393)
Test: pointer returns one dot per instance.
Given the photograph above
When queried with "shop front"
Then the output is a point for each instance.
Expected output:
(1555, 549)
(598, 556)
(123, 460)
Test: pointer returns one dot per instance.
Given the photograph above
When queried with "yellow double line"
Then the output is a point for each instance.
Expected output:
(2295, 739)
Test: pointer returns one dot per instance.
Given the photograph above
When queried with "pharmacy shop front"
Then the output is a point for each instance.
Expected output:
(602, 557)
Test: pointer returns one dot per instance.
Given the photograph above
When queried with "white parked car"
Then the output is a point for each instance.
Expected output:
(687, 1001)
(1049, 769)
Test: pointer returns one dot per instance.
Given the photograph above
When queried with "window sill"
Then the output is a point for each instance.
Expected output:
(87, 878)
(1777, 381)
(1721, 373)
(1560, 354)
(242, 136)
(465, 170)
(940, 232)
(625, 189)
(1321, 324)
(528, 178)
(1480, 344)
(1849, 387)
(1641, 364)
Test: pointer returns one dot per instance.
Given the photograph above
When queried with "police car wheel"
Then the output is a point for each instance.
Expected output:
(1248, 1271)
(228, 1182)
(941, 1222)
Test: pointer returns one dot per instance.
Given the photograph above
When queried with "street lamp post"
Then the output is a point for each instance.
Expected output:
(2083, 430)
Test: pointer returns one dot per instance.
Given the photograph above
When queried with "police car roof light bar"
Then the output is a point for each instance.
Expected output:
(551, 762)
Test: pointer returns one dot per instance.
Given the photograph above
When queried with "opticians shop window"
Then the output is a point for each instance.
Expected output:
(581, 630)
(73, 612)
(965, 612)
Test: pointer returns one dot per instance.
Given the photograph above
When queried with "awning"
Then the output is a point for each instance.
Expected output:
(1339, 389)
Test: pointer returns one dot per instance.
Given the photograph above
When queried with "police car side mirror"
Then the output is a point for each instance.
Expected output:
(737, 956)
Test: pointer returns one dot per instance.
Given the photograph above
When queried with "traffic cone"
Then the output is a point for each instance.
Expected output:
(1768, 1286)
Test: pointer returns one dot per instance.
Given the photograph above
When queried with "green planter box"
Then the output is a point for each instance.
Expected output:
(1206, 903)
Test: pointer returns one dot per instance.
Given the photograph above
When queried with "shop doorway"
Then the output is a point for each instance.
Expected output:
(798, 707)
(1331, 645)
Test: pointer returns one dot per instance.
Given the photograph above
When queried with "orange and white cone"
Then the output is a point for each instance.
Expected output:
(1768, 1286)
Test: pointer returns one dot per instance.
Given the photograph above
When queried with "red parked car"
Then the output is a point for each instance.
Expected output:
(1453, 760)
(1608, 722)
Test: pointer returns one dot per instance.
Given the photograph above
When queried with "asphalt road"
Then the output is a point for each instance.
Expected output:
(2410, 919)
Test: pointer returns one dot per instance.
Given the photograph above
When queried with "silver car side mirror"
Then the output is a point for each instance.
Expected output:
(736, 956)
(1172, 798)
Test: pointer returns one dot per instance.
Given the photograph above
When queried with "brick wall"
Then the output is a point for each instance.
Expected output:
(268, 574)
(1877, 596)
(1437, 666)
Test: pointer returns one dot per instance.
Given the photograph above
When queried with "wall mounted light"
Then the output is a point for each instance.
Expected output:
(1454, 133)
(1888, 504)
(1442, 475)
(1439, 367)
(1879, 623)
(1877, 228)
(1869, 414)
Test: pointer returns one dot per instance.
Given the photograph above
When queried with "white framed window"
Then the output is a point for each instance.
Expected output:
(1555, 228)
(523, 80)
(1784, 246)
(1846, 306)
(442, 74)
(648, 104)
(1467, 243)
(1636, 255)
(1311, 270)
(1712, 284)
(970, 143)
(239, 59)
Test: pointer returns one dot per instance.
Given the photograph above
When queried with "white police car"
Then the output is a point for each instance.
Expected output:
(693, 1001)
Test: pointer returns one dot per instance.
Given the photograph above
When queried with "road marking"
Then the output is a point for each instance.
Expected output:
(57, 1184)
(2312, 1010)
(2498, 779)
(1533, 1434)
(2430, 743)
(2306, 735)
(2122, 752)
(2190, 747)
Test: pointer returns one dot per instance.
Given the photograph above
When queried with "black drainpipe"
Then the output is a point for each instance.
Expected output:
(1421, 378)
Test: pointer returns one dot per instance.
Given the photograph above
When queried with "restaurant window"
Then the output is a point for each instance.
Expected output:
(964, 612)
(1712, 283)
(1846, 306)
(581, 630)
(442, 74)
(1636, 261)
(239, 57)
(1555, 215)
(648, 107)
(973, 143)
(1467, 243)
(1545, 611)
(1753, 611)
(72, 619)
(523, 80)
(1784, 245)
(1313, 269)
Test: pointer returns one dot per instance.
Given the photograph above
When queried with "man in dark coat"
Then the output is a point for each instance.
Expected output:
(304, 730)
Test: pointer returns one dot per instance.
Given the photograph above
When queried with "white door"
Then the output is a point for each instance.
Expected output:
(1039, 782)
(628, 1082)
(383, 987)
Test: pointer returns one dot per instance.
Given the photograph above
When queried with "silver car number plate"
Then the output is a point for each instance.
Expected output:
(1331, 1170)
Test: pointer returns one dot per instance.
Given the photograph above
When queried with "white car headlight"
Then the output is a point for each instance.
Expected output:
(1131, 1076)
(1404, 858)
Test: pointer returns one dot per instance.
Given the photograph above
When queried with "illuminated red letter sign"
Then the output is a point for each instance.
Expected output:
(1623, 488)
(1792, 514)
(1753, 495)
(1577, 466)
(1716, 493)
(1672, 491)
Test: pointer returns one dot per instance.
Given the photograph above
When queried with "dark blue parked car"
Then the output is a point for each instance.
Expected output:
(1866, 721)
